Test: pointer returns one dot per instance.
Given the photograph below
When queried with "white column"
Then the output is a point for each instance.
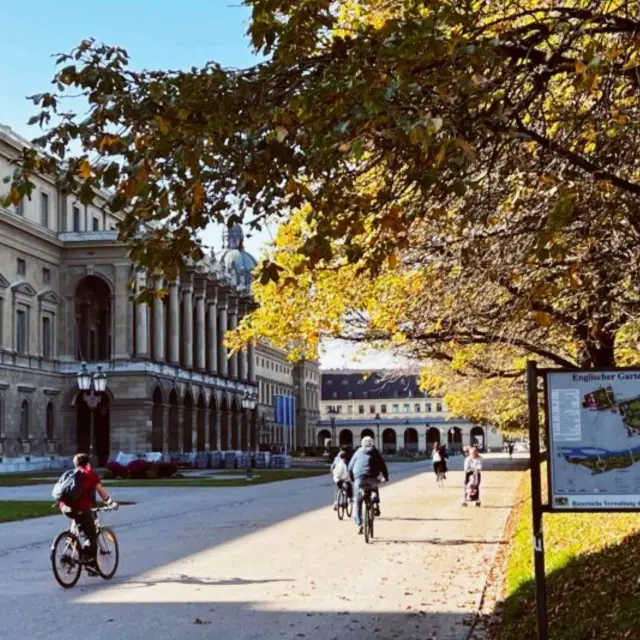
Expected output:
(212, 336)
(222, 330)
(233, 323)
(142, 337)
(158, 325)
(174, 323)
(187, 321)
(201, 345)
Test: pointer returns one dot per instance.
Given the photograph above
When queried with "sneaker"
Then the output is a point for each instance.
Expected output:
(377, 511)
(360, 530)
(335, 506)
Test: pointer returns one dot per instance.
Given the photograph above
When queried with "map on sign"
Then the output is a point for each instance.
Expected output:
(594, 439)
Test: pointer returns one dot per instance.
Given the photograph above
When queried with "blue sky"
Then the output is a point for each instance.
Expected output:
(164, 34)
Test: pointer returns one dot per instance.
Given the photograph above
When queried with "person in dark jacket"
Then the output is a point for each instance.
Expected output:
(364, 467)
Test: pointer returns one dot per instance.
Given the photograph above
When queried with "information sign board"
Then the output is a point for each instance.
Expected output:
(594, 439)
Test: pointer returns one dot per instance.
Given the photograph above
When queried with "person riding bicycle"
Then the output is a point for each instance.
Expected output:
(80, 510)
(439, 458)
(340, 474)
(364, 468)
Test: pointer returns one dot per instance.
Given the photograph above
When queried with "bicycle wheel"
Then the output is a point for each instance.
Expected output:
(65, 559)
(349, 508)
(371, 519)
(108, 555)
(340, 501)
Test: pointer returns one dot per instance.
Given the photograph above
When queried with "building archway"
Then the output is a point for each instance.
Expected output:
(187, 423)
(157, 421)
(346, 438)
(433, 437)
(244, 430)
(478, 438)
(201, 424)
(235, 426)
(213, 426)
(323, 436)
(92, 308)
(411, 440)
(224, 425)
(101, 428)
(454, 438)
(389, 441)
(174, 423)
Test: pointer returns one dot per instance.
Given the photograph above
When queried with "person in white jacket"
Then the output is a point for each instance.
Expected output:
(340, 473)
(473, 469)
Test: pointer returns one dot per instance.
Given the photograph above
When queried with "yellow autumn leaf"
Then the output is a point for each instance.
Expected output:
(162, 125)
(580, 67)
(542, 318)
(393, 261)
(440, 158)
(84, 169)
(467, 148)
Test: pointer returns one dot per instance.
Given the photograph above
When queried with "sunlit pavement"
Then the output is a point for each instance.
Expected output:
(270, 561)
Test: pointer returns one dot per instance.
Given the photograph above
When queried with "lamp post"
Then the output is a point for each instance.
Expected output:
(249, 404)
(377, 419)
(332, 417)
(94, 384)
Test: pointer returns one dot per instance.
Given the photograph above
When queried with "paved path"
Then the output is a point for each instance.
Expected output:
(269, 561)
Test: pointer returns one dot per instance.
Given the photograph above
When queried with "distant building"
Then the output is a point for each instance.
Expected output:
(394, 412)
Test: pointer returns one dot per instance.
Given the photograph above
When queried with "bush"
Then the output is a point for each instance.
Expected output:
(138, 469)
(116, 469)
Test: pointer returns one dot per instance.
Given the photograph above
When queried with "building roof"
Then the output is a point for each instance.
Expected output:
(237, 262)
(360, 385)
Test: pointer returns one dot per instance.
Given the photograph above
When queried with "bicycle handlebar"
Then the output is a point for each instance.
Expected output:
(113, 507)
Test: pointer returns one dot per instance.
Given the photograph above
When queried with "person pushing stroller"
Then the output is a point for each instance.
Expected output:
(472, 477)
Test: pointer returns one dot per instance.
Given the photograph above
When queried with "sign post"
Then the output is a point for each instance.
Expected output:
(536, 498)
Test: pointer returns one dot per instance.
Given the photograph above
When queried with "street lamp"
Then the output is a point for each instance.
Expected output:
(95, 384)
(332, 417)
(377, 419)
(249, 403)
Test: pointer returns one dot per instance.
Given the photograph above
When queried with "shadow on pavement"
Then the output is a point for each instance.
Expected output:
(440, 541)
(382, 518)
(190, 580)
(248, 621)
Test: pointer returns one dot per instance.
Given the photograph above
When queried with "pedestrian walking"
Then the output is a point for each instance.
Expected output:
(472, 477)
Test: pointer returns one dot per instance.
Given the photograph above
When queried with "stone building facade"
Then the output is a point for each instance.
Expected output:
(66, 287)
(392, 409)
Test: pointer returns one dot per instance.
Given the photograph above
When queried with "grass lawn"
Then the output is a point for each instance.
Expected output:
(29, 478)
(261, 476)
(593, 584)
(23, 509)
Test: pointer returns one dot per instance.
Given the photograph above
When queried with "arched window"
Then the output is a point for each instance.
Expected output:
(24, 420)
(50, 422)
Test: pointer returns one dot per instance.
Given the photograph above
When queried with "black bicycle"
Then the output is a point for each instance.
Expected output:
(344, 505)
(368, 511)
(66, 552)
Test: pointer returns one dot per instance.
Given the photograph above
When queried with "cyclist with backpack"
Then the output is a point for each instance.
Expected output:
(340, 475)
(75, 492)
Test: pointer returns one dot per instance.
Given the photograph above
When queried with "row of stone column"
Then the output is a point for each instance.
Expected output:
(176, 430)
(209, 311)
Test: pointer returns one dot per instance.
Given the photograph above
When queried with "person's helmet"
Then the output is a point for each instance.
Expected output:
(342, 454)
(367, 441)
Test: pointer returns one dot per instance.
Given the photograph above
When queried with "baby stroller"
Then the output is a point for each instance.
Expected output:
(472, 490)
